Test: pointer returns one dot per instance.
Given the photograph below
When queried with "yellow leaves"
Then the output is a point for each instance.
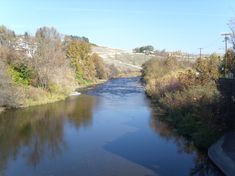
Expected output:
(88, 66)
(208, 68)
(78, 50)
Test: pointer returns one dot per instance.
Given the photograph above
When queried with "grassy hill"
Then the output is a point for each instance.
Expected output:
(122, 59)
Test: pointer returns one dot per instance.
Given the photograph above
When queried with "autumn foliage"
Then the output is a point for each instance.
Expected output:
(187, 94)
(47, 66)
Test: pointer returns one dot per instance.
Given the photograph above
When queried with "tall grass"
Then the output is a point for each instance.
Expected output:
(190, 100)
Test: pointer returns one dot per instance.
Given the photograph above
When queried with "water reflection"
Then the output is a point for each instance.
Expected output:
(202, 164)
(38, 131)
(112, 131)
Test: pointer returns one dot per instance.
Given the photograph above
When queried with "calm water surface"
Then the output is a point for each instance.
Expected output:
(110, 130)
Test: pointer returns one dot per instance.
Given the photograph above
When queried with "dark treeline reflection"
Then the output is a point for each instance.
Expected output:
(203, 165)
(38, 131)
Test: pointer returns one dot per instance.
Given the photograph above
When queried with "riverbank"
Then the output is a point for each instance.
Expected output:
(117, 112)
(48, 98)
(188, 98)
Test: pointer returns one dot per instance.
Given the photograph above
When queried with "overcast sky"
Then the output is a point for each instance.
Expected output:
(184, 25)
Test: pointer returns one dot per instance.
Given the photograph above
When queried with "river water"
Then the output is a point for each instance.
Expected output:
(110, 130)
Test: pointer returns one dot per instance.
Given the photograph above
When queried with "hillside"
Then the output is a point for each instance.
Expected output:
(122, 59)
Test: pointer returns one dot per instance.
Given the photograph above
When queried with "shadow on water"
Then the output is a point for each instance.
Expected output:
(142, 147)
(161, 157)
(35, 137)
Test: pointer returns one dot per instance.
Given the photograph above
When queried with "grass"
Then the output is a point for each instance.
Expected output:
(45, 97)
(191, 112)
(48, 98)
(190, 103)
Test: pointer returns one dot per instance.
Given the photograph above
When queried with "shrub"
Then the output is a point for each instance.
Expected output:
(207, 68)
(188, 95)
(79, 54)
(163, 76)
(21, 74)
(101, 72)
(113, 71)
(10, 94)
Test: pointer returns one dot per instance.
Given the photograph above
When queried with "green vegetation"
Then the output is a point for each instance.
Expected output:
(44, 68)
(188, 97)
(144, 49)
(88, 67)
(21, 74)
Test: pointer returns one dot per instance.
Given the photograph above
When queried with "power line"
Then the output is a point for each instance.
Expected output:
(226, 38)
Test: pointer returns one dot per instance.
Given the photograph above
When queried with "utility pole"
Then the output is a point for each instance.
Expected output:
(226, 38)
(200, 52)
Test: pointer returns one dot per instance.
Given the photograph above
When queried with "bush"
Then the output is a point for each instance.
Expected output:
(101, 71)
(188, 95)
(21, 74)
(113, 71)
(208, 68)
(10, 94)
(163, 75)
(79, 54)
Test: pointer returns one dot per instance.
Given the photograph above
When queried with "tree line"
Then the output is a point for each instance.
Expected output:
(46, 65)
(187, 94)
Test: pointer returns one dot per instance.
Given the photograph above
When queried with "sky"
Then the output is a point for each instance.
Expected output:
(173, 25)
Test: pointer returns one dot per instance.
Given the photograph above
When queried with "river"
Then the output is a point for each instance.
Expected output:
(109, 130)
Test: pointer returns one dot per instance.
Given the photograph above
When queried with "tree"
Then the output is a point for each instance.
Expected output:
(69, 38)
(149, 48)
(10, 95)
(50, 60)
(46, 33)
(6, 36)
(101, 72)
(208, 68)
(78, 51)
(232, 28)
(230, 61)
(113, 71)
(79, 54)
(144, 49)
(26, 35)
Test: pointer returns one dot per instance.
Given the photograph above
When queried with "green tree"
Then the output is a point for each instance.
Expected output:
(144, 49)
(79, 53)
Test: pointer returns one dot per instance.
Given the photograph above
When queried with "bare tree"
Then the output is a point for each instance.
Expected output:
(232, 28)
(6, 36)
(50, 59)
(46, 33)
